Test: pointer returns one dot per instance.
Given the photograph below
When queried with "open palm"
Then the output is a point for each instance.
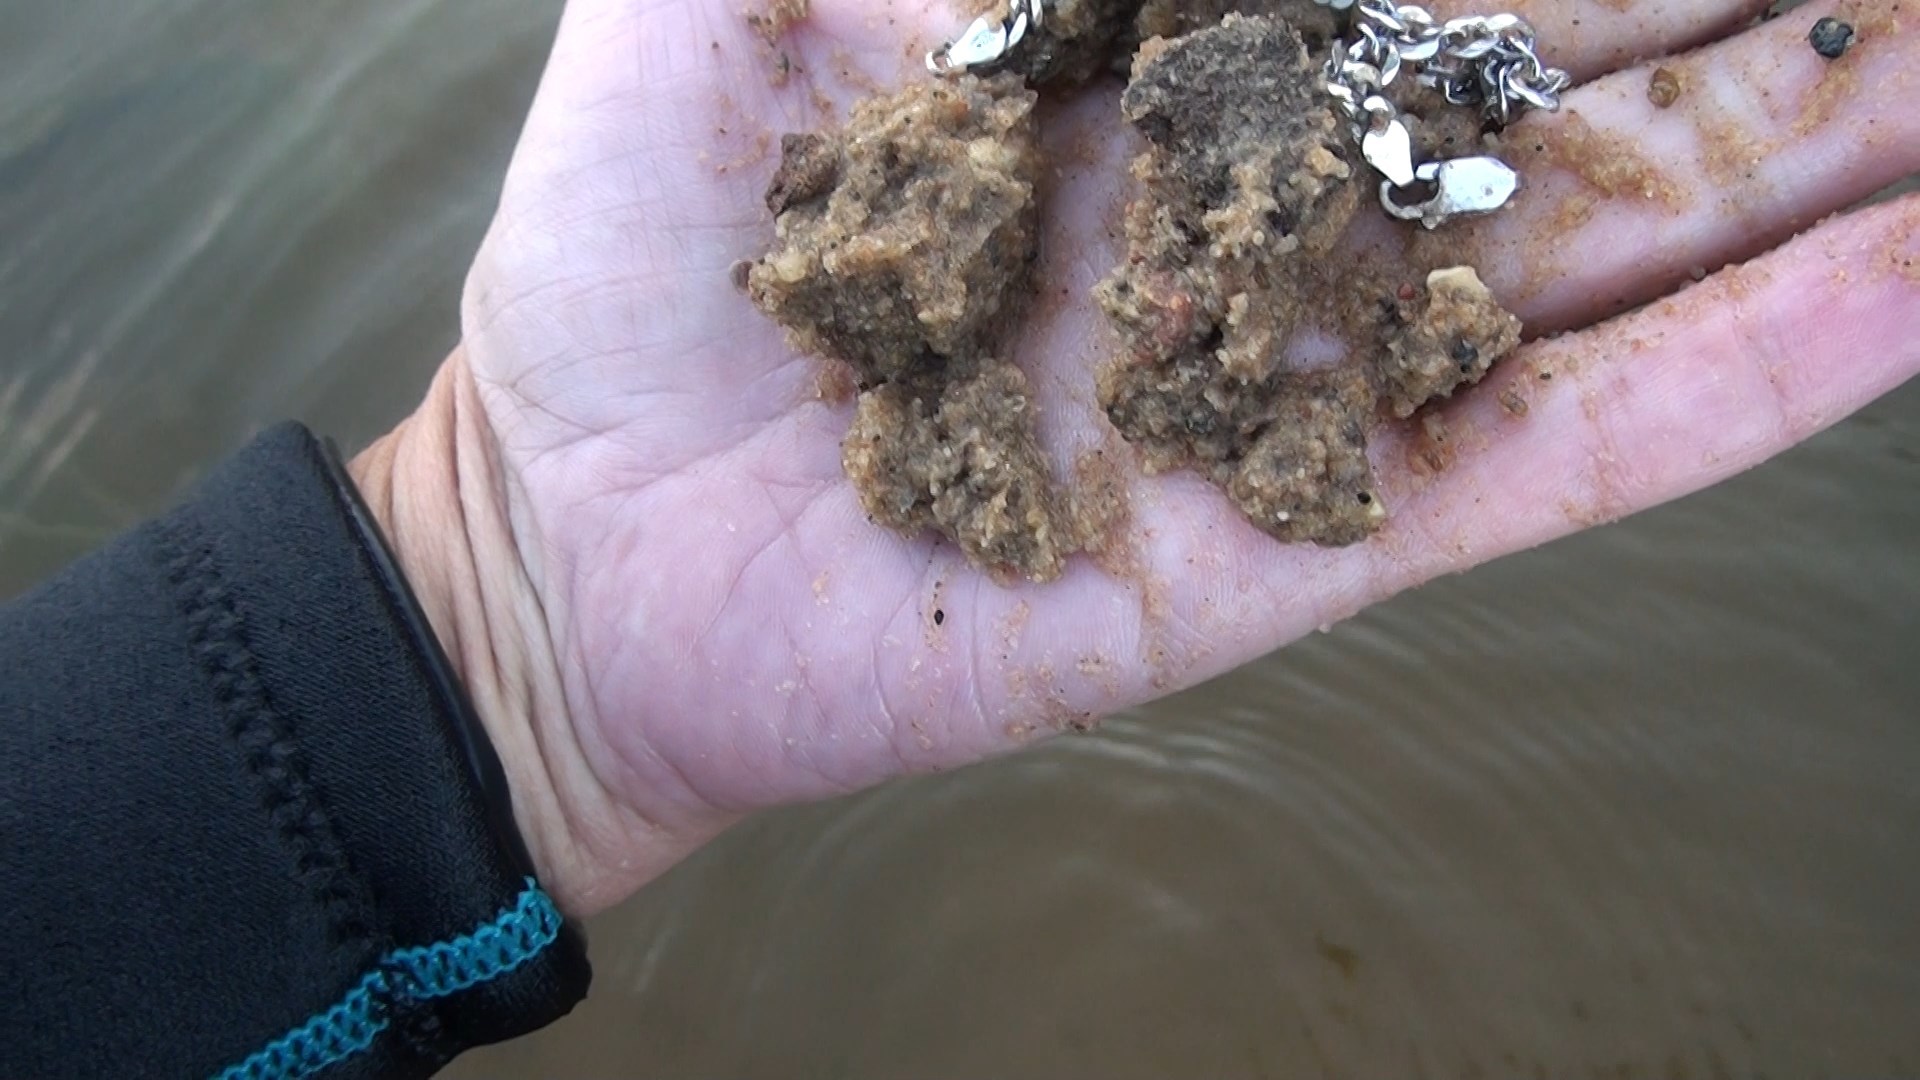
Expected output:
(730, 630)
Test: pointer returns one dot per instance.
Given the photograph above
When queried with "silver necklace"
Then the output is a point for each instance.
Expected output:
(1487, 62)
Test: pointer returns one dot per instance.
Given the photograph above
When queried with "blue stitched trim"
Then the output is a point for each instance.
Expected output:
(433, 971)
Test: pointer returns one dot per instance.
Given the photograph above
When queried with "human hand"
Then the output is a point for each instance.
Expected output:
(623, 505)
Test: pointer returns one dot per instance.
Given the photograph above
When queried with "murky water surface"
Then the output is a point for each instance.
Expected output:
(1641, 804)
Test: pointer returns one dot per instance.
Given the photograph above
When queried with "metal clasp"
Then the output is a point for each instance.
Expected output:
(1387, 146)
(1462, 187)
(987, 41)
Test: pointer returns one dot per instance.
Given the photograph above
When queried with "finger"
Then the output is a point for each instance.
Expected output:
(1589, 428)
(1592, 37)
(1625, 198)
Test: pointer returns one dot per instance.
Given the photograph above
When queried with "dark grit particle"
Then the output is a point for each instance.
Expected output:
(1831, 38)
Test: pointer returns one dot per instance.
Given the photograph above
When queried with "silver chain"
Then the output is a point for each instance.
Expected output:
(1486, 62)
(988, 41)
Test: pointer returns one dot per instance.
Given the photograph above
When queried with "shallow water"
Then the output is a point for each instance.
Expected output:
(1639, 804)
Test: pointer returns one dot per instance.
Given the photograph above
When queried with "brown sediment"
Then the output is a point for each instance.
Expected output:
(905, 244)
(1905, 264)
(1235, 188)
(1252, 351)
(1609, 163)
(1101, 499)
(849, 73)
(1306, 475)
(1078, 40)
(1316, 23)
(1438, 130)
(905, 240)
(1013, 625)
(1729, 152)
(1431, 450)
(1247, 186)
(1575, 211)
(1463, 243)
(1902, 253)
(1060, 716)
(756, 151)
(834, 382)
(1732, 154)
(1448, 340)
(772, 18)
(1246, 170)
(962, 460)
(1081, 39)
(1664, 87)
(1515, 403)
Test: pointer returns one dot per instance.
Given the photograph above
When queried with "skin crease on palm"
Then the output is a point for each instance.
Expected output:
(623, 505)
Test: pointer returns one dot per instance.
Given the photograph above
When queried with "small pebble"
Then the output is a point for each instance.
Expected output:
(1663, 89)
(1831, 38)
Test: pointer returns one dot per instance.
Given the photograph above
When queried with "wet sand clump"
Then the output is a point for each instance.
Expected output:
(961, 459)
(1246, 180)
(1449, 338)
(904, 246)
(1247, 188)
(905, 242)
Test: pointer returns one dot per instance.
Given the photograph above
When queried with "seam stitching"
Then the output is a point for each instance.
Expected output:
(218, 639)
(404, 977)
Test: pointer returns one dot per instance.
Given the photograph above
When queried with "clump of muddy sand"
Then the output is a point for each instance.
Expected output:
(904, 247)
(1233, 255)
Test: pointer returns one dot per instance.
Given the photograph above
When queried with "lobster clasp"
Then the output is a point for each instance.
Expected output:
(983, 43)
(1462, 187)
(987, 41)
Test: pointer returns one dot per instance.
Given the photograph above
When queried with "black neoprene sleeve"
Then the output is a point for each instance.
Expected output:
(248, 825)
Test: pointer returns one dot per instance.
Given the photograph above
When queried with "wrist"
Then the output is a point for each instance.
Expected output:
(436, 490)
